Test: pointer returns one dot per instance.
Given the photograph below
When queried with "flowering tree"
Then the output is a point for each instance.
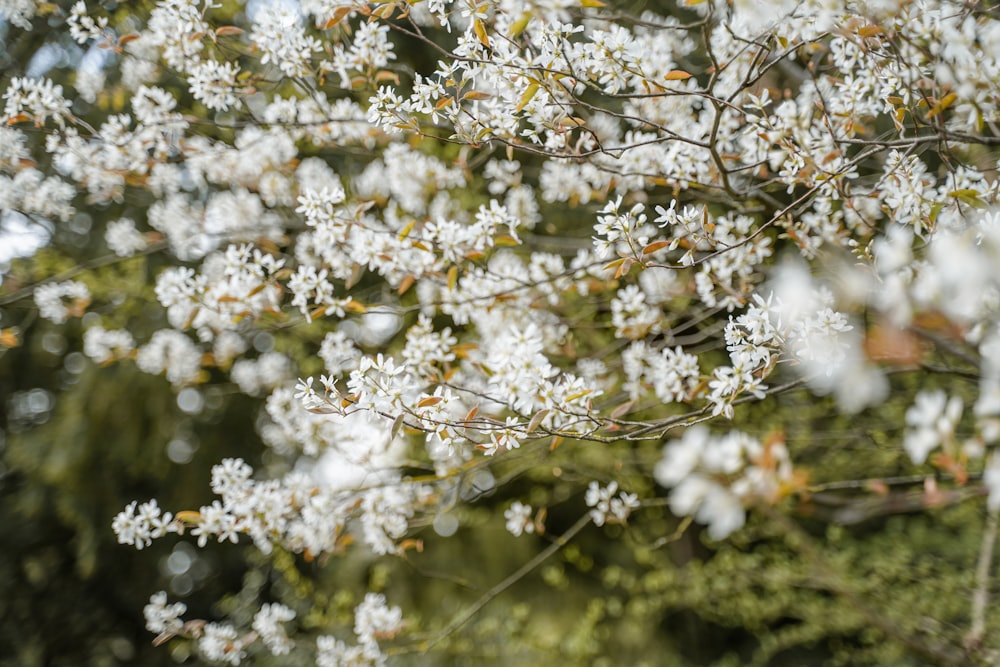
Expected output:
(612, 266)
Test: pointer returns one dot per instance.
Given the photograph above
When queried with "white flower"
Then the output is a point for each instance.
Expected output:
(214, 83)
(103, 346)
(631, 316)
(221, 642)
(932, 421)
(504, 438)
(139, 525)
(339, 353)
(385, 516)
(84, 28)
(680, 457)
(267, 622)
(216, 520)
(710, 504)
(331, 652)
(123, 238)
(373, 619)
(722, 512)
(606, 506)
(162, 617)
(518, 517)
(231, 478)
(38, 99)
(279, 34)
(270, 370)
(227, 346)
(51, 300)
(18, 12)
(172, 352)
(712, 477)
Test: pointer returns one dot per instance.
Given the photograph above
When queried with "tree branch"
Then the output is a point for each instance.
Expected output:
(516, 576)
(980, 596)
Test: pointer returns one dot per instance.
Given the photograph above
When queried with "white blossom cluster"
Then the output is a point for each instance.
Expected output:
(104, 346)
(373, 620)
(30, 193)
(123, 238)
(36, 100)
(713, 478)
(298, 512)
(231, 286)
(172, 353)
(268, 372)
(607, 507)
(279, 33)
(931, 423)
(518, 517)
(221, 642)
(139, 525)
(58, 301)
(162, 617)
(19, 12)
(83, 27)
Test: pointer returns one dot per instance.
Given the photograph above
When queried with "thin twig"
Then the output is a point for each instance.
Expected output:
(939, 653)
(981, 595)
(97, 262)
(474, 608)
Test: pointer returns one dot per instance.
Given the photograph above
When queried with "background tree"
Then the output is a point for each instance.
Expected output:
(629, 333)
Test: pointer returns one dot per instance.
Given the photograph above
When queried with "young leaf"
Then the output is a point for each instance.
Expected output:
(405, 284)
(612, 264)
(428, 401)
(403, 233)
(338, 16)
(480, 29)
(397, 424)
(536, 421)
(476, 95)
(518, 26)
(529, 93)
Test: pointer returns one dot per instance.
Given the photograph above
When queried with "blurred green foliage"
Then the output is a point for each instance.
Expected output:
(80, 442)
